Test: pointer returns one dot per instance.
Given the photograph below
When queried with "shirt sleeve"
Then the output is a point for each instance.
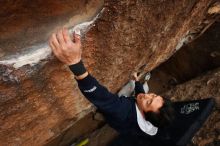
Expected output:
(111, 105)
(138, 88)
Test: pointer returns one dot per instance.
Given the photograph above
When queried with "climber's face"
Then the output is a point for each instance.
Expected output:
(149, 102)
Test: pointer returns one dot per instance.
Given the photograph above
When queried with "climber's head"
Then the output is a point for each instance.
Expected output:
(158, 110)
(149, 102)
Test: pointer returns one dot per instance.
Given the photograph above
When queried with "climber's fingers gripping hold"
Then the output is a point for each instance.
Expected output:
(64, 48)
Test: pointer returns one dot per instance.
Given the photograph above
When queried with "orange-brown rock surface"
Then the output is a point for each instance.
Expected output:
(41, 103)
(192, 60)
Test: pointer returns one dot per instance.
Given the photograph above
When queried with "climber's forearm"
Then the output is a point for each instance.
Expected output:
(79, 70)
(138, 88)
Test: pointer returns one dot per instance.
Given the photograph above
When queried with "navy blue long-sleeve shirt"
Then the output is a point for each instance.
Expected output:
(119, 112)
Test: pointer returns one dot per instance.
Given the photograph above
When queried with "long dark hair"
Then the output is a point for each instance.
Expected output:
(164, 117)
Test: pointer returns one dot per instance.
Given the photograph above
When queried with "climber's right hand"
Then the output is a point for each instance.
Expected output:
(67, 50)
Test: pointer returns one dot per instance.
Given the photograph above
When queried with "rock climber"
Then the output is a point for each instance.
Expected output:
(141, 115)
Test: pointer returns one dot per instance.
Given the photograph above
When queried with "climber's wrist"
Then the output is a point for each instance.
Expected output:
(78, 69)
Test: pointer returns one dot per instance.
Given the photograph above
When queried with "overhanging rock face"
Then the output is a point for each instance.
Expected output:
(39, 98)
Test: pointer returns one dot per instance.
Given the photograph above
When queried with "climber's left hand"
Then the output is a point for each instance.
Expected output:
(67, 50)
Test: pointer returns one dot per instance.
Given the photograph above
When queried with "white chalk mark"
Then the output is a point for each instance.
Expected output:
(40, 52)
(82, 28)
(183, 41)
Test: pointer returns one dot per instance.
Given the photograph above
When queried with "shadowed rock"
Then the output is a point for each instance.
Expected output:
(40, 103)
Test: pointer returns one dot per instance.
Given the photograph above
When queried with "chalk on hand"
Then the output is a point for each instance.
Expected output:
(77, 31)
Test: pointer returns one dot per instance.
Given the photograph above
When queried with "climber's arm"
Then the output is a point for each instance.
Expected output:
(69, 52)
(112, 106)
(138, 86)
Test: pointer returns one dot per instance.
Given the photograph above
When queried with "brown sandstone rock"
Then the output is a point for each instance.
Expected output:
(40, 103)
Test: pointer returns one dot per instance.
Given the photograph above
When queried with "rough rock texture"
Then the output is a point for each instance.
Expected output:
(202, 87)
(192, 60)
(38, 104)
(35, 109)
(25, 23)
(102, 136)
(140, 34)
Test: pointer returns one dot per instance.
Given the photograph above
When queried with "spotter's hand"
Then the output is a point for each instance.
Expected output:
(66, 50)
